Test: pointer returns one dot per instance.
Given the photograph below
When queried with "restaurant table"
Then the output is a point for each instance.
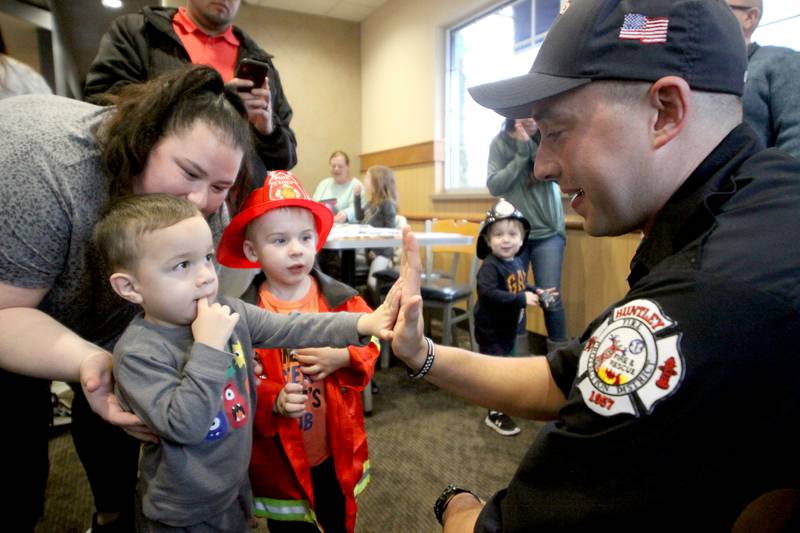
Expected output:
(348, 238)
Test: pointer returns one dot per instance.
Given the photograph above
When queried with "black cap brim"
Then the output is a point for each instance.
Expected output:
(513, 98)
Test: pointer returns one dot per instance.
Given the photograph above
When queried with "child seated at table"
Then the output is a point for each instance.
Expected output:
(185, 364)
(380, 211)
(310, 457)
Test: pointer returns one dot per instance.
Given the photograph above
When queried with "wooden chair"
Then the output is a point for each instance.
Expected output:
(449, 277)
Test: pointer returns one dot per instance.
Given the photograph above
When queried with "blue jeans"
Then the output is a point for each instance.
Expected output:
(546, 257)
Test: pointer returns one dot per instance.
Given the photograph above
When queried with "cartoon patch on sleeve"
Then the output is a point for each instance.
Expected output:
(238, 354)
(626, 365)
(234, 405)
(219, 427)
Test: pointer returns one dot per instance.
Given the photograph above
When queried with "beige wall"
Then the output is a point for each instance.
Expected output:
(403, 57)
(319, 60)
(20, 39)
(403, 48)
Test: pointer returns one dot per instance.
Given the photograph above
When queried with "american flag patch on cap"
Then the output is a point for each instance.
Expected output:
(644, 29)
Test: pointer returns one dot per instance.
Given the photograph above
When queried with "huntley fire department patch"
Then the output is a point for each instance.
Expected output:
(631, 362)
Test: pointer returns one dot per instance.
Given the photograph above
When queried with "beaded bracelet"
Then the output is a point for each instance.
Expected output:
(426, 366)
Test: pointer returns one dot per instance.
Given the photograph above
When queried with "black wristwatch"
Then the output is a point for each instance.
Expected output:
(445, 497)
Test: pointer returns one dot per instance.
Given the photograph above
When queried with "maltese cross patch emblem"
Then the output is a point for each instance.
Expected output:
(631, 362)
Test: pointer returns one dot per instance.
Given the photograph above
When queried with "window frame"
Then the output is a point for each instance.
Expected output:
(451, 165)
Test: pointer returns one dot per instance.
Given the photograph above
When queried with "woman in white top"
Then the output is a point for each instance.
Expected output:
(339, 187)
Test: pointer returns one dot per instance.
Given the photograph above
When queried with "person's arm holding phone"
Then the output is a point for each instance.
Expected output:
(252, 83)
(269, 113)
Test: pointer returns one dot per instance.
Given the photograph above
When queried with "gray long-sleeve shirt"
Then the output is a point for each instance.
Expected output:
(771, 99)
(510, 165)
(201, 402)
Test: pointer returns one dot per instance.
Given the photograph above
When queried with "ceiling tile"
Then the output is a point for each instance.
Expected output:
(350, 11)
(355, 10)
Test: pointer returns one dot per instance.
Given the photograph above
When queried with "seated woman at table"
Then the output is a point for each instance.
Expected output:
(337, 190)
(380, 211)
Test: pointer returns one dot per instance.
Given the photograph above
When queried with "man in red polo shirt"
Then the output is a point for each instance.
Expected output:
(140, 46)
(136, 48)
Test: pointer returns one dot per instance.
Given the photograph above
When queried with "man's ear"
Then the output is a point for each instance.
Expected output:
(249, 250)
(752, 18)
(125, 285)
(671, 98)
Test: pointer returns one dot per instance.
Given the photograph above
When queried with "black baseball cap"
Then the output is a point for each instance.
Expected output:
(638, 40)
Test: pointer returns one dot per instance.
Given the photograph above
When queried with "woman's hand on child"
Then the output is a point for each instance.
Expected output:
(214, 324)
(319, 363)
(97, 382)
(380, 322)
(291, 401)
(531, 298)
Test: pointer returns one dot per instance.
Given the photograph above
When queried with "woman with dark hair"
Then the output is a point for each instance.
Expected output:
(61, 162)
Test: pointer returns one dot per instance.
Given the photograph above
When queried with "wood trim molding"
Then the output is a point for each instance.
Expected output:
(462, 196)
(421, 217)
(570, 221)
(403, 156)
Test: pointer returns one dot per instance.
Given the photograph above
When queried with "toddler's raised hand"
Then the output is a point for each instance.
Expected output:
(380, 322)
(291, 401)
(214, 324)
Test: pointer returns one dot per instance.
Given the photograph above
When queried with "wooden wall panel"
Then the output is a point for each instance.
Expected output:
(426, 153)
(414, 188)
(595, 275)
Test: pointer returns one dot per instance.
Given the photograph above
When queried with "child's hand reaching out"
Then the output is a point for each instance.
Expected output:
(319, 363)
(380, 322)
(291, 401)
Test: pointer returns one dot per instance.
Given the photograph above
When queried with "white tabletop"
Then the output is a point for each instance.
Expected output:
(353, 236)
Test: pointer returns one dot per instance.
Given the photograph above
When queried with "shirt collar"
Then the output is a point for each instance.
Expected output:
(685, 215)
(184, 21)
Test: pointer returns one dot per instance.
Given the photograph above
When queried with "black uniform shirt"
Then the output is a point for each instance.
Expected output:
(682, 396)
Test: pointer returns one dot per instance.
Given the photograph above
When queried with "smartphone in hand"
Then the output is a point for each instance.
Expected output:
(253, 70)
